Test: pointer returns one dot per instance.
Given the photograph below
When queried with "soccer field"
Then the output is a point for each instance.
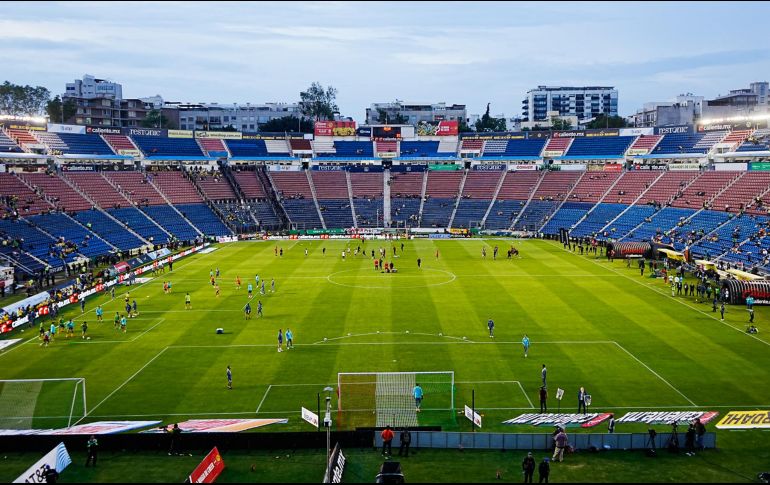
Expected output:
(593, 323)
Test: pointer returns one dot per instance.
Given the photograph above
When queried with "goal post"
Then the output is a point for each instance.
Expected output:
(386, 398)
(42, 403)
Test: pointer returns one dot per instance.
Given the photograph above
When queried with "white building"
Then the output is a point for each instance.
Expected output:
(413, 113)
(584, 102)
(90, 87)
(215, 116)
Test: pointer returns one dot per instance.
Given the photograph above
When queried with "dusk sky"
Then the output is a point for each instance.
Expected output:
(458, 52)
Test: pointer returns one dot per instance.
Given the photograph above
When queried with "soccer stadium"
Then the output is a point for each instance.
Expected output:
(383, 299)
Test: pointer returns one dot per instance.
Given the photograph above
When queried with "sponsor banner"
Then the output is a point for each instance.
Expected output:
(673, 130)
(442, 128)
(284, 168)
(130, 153)
(310, 417)
(23, 432)
(328, 168)
(387, 132)
(684, 166)
(225, 239)
(104, 427)
(74, 129)
(144, 132)
(745, 420)
(23, 125)
(731, 167)
(505, 135)
(734, 125)
(638, 151)
(335, 128)
(564, 420)
(490, 167)
(103, 130)
(222, 135)
(553, 153)
(365, 131)
(4, 344)
(209, 469)
(443, 167)
(222, 425)
(180, 133)
(458, 232)
(613, 167)
(529, 167)
(273, 136)
(336, 466)
(473, 416)
(78, 168)
(570, 166)
(651, 166)
(586, 133)
(57, 459)
(636, 131)
(386, 154)
(667, 417)
(761, 166)
(32, 301)
(438, 235)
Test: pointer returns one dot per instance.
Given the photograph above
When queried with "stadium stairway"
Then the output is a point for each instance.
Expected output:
(459, 198)
(499, 185)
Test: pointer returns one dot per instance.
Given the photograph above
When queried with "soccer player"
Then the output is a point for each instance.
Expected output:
(436, 253)
(484, 252)
(722, 310)
(128, 309)
(262, 288)
(112, 292)
(123, 323)
(216, 290)
(187, 302)
(70, 329)
(323, 251)
(247, 311)
(117, 320)
(280, 340)
(53, 331)
(237, 282)
(134, 311)
(259, 308)
(306, 252)
(419, 263)
(250, 290)
(543, 375)
(289, 339)
(280, 251)
(82, 305)
(229, 378)
(217, 272)
(165, 287)
(417, 393)
(99, 313)
(525, 343)
(272, 285)
(257, 279)
(491, 326)
(84, 328)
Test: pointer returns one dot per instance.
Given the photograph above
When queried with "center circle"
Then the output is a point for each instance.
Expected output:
(445, 277)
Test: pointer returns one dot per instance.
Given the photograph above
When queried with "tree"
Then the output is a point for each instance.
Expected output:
(561, 124)
(59, 112)
(488, 123)
(287, 123)
(18, 100)
(604, 121)
(318, 103)
(464, 127)
(156, 119)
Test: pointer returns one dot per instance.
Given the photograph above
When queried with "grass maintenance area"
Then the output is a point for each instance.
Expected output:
(595, 324)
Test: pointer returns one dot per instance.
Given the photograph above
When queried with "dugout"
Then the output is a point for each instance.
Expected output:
(626, 249)
(739, 290)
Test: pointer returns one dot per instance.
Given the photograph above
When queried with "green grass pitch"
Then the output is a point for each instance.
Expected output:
(593, 323)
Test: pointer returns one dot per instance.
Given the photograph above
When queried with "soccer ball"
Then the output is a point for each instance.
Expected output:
(440, 334)
(465, 338)
(407, 331)
(22, 330)
(88, 338)
(325, 339)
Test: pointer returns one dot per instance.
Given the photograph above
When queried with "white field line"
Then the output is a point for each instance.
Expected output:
(657, 290)
(263, 398)
(121, 341)
(341, 344)
(124, 383)
(525, 395)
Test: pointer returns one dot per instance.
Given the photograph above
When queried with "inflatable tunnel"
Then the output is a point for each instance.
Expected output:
(739, 290)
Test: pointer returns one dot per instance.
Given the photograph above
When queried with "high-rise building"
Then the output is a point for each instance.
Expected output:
(585, 102)
(101, 103)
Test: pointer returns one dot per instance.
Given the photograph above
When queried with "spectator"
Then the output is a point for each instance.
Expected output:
(528, 465)
(700, 431)
(406, 440)
(544, 470)
(92, 448)
(561, 443)
(387, 441)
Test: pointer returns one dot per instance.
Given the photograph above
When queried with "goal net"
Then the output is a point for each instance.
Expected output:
(41, 403)
(386, 398)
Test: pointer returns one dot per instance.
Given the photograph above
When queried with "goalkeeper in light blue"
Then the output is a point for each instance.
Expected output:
(417, 393)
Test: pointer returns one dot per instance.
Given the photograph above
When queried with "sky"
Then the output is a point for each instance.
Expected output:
(457, 52)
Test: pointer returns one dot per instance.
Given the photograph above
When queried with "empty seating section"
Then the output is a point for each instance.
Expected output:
(216, 187)
(53, 142)
(679, 143)
(153, 146)
(695, 228)
(429, 149)
(759, 141)
(297, 199)
(645, 142)
(447, 147)
(709, 140)
(599, 217)
(443, 184)
(556, 146)
(353, 149)
(277, 147)
(250, 185)
(524, 148)
(474, 145)
(300, 145)
(556, 185)
(610, 146)
(503, 213)
(119, 142)
(744, 193)
(59, 226)
(628, 220)
(495, 147)
(593, 186)
(140, 223)
(95, 186)
(367, 198)
(735, 138)
(136, 186)
(631, 185)
(666, 187)
(177, 188)
(34, 242)
(405, 197)
(16, 253)
(727, 236)
(323, 148)
(386, 146)
(265, 215)
(247, 148)
(331, 188)
(704, 188)
(85, 144)
(237, 215)
(27, 201)
(478, 191)
(470, 213)
(57, 192)
(22, 137)
(108, 229)
(656, 227)
(535, 215)
(7, 145)
(566, 217)
(441, 195)
(171, 221)
(519, 185)
(202, 217)
(213, 147)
